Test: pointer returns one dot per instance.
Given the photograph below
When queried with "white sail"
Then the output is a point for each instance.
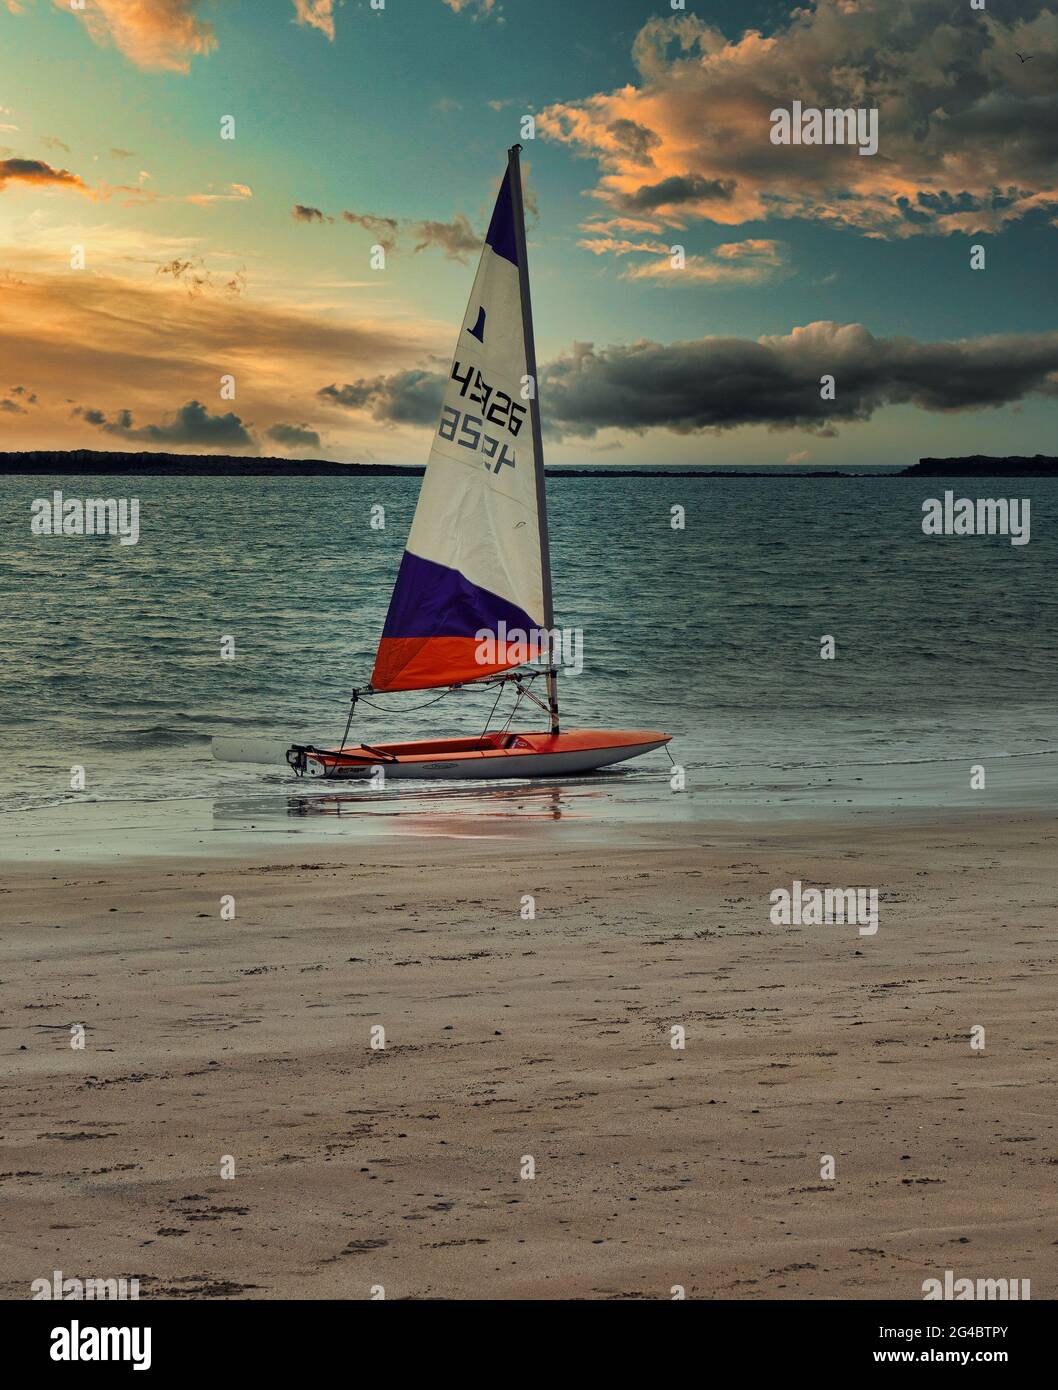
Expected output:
(473, 561)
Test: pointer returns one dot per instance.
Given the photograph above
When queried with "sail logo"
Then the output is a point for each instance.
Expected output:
(77, 1343)
(999, 1290)
(808, 125)
(562, 647)
(58, 1287)
(817, 907)
(980, 516)
(93, 516)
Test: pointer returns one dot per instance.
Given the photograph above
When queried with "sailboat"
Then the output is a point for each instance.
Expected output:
(472, 599)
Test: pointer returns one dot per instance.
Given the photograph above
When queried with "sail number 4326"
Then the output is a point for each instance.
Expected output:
(457, 428)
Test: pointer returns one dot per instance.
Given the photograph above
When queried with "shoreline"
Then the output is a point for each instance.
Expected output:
(603, 809)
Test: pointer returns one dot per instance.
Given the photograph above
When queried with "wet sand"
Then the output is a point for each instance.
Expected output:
(272, 809)
(548, 1038)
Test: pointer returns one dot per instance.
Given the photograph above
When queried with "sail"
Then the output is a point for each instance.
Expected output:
(473, 562)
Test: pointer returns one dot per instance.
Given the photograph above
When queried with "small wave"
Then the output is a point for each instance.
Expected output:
(116, 800)
(157, 736)
(845, 763)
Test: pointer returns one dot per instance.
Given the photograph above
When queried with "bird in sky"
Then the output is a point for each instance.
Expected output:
(1025, 57)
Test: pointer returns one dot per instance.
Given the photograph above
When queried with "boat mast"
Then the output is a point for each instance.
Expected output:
(515, 170)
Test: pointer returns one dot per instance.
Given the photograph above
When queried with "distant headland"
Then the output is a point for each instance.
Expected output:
(90, 462)
(984, 465)
(149, 464)
(57, 462)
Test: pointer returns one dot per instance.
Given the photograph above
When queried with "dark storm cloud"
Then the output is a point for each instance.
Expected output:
(191, 424)
(18, 407)
(383, 229)
(725, 382)
(721, 383)
(408, 398)
(680, 188)
(634, 139)
(302, 213)
(35, 171)
(456, 239)
(293, 436)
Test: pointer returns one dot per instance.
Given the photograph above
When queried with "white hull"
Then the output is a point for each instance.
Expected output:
(490, 769)
(469, 767)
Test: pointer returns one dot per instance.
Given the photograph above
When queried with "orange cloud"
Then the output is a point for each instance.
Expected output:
(165, 35)
(144, 346)
(966, 131)
(474, 7)
(317, 14)
(621, 246)
(35, 171)
(136, 195)
(237, 192)
(754, 261)
(154, 34)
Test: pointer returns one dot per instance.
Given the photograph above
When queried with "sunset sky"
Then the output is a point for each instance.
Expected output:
(356, 127)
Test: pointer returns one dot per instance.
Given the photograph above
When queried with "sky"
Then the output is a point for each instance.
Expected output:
(145, 261)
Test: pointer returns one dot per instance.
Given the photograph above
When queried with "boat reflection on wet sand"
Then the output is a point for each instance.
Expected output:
(535, 801)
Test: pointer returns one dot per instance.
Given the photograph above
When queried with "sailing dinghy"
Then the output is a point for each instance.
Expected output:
(472, 599)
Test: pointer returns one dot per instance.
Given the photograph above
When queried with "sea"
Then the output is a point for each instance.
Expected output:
(704, 605)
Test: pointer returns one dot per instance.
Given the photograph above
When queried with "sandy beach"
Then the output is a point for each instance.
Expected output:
(550, 1038)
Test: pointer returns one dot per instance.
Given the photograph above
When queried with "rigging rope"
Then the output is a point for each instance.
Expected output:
(522, 684)
(411, 709)
(492, 711)
(407, 709)
(348, 726)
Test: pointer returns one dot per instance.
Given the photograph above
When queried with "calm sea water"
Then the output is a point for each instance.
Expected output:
(946, 647)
